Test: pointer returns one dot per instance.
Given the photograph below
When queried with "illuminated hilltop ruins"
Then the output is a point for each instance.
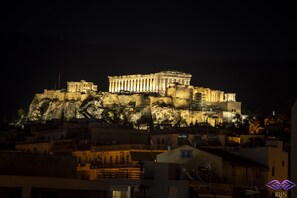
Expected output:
(163, 98)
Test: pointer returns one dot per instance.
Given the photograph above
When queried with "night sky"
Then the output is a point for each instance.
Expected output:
(237, 47)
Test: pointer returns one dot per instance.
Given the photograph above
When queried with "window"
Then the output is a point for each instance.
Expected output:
(119, 194)
(122, 160)
(186, 154)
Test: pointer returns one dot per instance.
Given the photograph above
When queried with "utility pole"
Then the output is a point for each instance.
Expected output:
(208, 167)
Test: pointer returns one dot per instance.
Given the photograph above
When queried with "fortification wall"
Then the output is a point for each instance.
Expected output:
(178, 91)
(111, 98)
(191, 117)
(50, 94)
(73, 96)
(160, 100)
(137, 98)
(180, 103)
(57, 94)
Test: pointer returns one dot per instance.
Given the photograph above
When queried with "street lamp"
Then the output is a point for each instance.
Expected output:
(208, 168)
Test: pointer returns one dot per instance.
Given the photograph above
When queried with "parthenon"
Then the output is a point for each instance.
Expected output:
(159, 83)
(156, 82)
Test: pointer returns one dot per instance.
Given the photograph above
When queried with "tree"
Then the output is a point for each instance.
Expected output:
(237, 120)
(3, 122)
(21, 113)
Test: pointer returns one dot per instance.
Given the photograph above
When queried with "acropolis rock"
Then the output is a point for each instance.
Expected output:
(165, 97)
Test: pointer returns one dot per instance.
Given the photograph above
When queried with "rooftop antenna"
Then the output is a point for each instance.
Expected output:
(59, 81)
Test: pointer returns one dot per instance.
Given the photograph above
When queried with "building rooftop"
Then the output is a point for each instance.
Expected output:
(230, 157)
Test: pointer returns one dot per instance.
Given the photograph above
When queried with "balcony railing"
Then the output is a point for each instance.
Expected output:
(239, 180)
(118, 165)
(124, 175)
(129, 147)
(244, 180)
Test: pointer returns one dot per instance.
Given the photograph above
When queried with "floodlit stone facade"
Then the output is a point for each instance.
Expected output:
(82, 86)
(157, 82)
(211, 95)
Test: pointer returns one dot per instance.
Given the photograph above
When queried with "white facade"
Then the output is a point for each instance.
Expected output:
(271, 156)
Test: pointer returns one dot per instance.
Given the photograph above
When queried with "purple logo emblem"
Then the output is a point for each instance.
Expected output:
(286, 184)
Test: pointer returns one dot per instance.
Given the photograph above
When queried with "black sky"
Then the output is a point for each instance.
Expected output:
(237, 47)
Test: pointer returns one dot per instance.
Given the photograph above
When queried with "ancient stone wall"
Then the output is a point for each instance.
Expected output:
(160, 100)
(111, 99)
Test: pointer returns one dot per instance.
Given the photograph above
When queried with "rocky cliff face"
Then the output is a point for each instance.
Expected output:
(132, 109)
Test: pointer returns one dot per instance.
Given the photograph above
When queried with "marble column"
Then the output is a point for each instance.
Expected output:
(153, 85)
(146, 84)
(156, 84)
(138, 84)
(150, 84)
(113, 85)
(129, 85)
(141, 85)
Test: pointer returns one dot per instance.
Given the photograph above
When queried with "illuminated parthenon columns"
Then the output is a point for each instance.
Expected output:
(157, 82)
